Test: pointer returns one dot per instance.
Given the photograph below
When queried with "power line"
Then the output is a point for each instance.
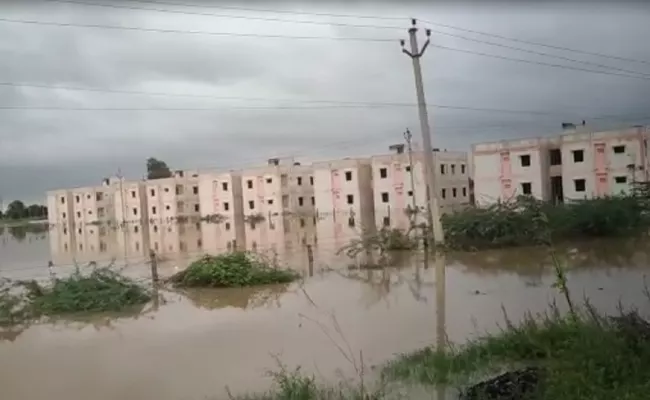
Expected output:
(203, 96)
(394, 18)
(186, 32)
(246, 17)
(541, 53)
(342, 106)
(113, 27)
(337, 24)
(539, 62)
(114, 6)
(550, 46)
(291, 12)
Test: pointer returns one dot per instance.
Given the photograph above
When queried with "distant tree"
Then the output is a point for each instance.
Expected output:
(157, 169)
(16, 210)
(1, 214)
(36, 211)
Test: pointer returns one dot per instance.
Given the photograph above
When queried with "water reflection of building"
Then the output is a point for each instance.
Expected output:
(83, 244)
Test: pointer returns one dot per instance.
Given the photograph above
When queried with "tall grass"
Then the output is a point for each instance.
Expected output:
(294, 385)
(586, 358)
(514, 223)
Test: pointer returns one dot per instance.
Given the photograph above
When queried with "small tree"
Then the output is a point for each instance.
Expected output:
(157, 169)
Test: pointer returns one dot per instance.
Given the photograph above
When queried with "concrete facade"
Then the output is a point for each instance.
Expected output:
(399, 184)
(274, 196)
(168, 199)
(130, 202)
(221, 204)
(344, 199)
(575, 165)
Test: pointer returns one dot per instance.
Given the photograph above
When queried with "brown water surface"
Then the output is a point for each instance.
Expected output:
(197, 342)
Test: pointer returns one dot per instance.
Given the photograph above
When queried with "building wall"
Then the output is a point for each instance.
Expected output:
(454, 182)
(62, 238)
(282, 195)
(130, 202)
(394, 192)
(92, 204)
(170, 198)
(498, 173)
(337, 220)
(604, 170)
(221, 194)
(59, 206)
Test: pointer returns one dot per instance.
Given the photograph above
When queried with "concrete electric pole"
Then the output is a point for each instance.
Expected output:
(433, 212)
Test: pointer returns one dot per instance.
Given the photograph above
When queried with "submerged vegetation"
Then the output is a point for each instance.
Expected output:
(235, 269)
(515, 223)
(100, 291)
(383, 242)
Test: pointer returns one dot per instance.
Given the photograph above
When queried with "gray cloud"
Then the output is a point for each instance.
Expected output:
(41, 150)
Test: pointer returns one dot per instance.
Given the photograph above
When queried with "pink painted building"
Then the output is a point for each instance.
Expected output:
(220, 198)
(344, 200)
(399, 183)
(278, 197)
(577, 164)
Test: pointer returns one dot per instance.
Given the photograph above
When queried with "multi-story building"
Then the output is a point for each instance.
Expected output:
(221, 205)
(93, 205)
(344, 200)
(273, 197)
(578, 164)
(60, 218)
(399, 184)
(169, 199)
(80, 211)
(130, 201)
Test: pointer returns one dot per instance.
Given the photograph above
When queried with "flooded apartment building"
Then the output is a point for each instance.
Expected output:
(170, 198)
(577, 164)
(344, 200)
(277, 197)
(168, 202)
(399, 184)
(222, 209)
(83, 211)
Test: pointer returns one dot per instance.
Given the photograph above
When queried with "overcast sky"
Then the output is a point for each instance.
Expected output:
(71, 145)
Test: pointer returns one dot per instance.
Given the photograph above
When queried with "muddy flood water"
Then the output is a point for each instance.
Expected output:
(195, 343)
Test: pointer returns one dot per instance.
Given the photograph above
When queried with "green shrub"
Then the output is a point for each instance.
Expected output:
(517, 223)
(100, 291)
(236, 269)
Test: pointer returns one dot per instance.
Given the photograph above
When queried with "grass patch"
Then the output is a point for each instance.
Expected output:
(103, 290)
(235, 269)
(584, 357)
(293, 385)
